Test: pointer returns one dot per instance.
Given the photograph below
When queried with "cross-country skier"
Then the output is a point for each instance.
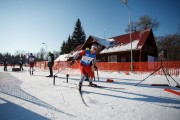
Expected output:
(31, 61)
(21, 64)
(87, 64)
(13, 63)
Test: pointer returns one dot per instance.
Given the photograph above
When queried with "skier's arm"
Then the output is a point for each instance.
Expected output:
(81, 53)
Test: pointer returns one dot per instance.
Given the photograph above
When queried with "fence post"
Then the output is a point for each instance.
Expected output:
(67, 76)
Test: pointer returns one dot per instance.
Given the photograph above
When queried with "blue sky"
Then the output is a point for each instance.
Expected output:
(26, 24)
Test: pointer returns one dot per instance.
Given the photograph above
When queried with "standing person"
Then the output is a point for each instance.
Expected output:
(13, 64)
(87, 64)
(31, 61)
(5, 64)
(50, 63)
(21, 64)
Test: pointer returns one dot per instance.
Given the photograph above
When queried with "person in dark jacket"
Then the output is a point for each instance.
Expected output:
(13, 64)
(50, 63)
(5, 64)
(21, 64)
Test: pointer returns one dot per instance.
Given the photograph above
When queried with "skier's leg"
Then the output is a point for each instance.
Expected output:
(90, 81)
(91, 74)
(29, 70)
(32, 70)
(50, 70)
(6, 67)
(83, 77)
(22, 67)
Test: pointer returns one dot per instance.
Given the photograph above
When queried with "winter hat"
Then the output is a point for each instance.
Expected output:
(87, 48)
(94, 46)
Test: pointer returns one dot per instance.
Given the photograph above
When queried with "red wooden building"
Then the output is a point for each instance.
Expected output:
(118, 49)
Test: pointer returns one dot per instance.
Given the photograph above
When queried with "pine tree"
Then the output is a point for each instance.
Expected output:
(63, 48)
(70, 44)
(78, 36)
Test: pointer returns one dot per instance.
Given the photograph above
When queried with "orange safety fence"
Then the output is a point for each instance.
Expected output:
(171, 67)
(3, 65)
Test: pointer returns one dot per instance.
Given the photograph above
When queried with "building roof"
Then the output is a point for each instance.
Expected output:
(78, 48)
(105, 42)
(123, 42)
(62, 58)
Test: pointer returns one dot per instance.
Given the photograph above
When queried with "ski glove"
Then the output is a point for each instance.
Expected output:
(72, 62)
(95, 67)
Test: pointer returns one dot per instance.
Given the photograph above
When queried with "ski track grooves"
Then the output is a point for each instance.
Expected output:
(63, 95)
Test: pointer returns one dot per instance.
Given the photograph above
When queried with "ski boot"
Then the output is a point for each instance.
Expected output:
(92, 84)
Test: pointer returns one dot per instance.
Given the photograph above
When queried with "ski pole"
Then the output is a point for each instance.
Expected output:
(62, 69)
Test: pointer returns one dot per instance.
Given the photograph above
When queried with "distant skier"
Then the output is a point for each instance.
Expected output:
(21, 64)
(32, 62)
(5, 64)
(13, 64)
(50, 63)
(87, 64)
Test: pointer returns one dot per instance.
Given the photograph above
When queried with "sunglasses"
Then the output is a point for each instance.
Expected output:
(94, 48)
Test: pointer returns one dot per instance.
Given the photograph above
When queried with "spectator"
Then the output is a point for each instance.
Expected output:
(50, 63)
(5, 64)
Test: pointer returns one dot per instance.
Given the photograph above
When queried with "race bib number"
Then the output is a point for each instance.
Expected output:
(31, 59)
(87, 59)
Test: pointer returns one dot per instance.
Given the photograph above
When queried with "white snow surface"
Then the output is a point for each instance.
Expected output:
(25, 97)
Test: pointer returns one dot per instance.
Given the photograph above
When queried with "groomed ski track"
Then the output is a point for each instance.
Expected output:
(35, 97)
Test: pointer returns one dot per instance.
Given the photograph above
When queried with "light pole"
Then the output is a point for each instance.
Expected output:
(125, 2)
(46, 49)
(46, 46)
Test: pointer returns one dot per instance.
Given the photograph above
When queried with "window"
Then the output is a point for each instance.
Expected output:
(112, 58)
(123, 59)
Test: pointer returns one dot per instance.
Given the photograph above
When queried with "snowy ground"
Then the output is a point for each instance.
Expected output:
(25, 97)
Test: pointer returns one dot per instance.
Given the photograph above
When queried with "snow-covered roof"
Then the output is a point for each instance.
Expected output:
(140, 35)
(62, 58)
(105, 42)
(123, 47)
(73, 54)
(123, 42)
